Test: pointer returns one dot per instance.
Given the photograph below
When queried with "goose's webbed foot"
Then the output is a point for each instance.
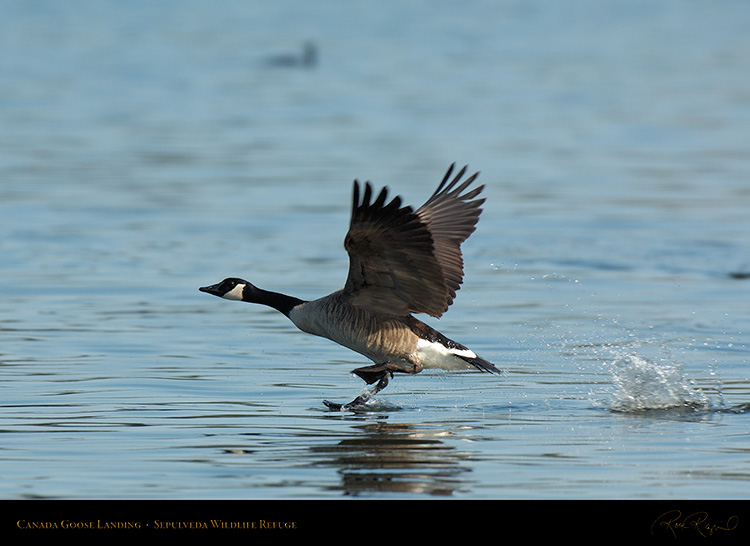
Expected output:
(361, 400)
(377, 373)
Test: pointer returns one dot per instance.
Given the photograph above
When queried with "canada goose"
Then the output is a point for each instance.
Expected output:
(401, 262)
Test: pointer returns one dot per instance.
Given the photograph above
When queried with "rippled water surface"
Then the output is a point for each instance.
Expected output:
(147, 149)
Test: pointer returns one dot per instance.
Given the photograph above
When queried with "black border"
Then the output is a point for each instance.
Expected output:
(664, 521)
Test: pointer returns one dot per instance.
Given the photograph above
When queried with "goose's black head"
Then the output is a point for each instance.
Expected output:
(230, 289)
(241, 290)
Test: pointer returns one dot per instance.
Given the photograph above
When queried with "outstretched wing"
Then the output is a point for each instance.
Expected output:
(402, 261)
(451, 217)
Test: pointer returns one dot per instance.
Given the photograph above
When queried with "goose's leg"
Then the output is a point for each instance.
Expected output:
(362, 398)
(370, 374)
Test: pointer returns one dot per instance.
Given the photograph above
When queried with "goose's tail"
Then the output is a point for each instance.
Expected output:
(480, 364)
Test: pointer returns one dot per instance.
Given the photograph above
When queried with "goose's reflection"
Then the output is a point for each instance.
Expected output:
(389, 457)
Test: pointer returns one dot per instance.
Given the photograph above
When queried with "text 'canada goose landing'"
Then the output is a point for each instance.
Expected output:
(401, 261)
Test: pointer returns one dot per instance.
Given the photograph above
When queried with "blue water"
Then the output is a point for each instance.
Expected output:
(149, 148)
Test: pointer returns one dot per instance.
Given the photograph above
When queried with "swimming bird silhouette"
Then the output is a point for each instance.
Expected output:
(307, 59)
(401, 261)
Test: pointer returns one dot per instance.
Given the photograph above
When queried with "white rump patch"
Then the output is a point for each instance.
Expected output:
(437, 355)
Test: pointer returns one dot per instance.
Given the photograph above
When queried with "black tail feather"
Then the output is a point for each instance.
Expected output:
(481, 364)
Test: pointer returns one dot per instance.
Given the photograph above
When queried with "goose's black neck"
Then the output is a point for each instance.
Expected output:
(280, 302)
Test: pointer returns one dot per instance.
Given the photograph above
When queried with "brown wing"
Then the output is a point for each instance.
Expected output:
(451, 218)
(401, 261)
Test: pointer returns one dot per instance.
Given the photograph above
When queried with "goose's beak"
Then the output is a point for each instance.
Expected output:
(213, 290)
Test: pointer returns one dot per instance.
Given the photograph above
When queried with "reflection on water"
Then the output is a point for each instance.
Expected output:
(402, 458)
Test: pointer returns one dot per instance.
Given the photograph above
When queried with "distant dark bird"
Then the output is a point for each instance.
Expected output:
(401, 262)
(307, 59)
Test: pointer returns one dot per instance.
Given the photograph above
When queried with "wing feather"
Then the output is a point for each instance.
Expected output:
(402, 261)
(451, 217)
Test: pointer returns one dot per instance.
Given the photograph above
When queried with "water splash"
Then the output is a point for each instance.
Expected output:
(641, 384)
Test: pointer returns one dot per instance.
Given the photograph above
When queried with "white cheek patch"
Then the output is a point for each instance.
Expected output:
(235, 293)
